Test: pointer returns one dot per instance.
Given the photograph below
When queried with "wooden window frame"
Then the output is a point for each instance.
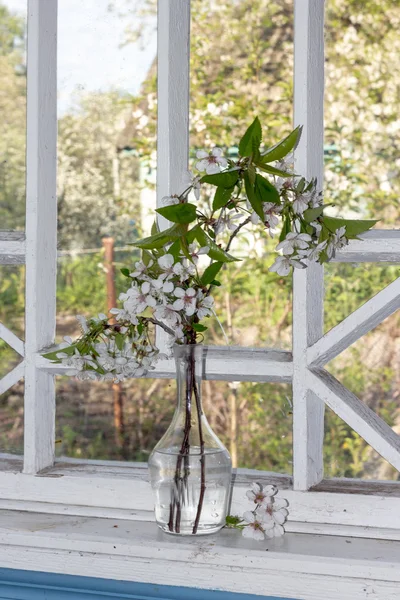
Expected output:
(121, 490)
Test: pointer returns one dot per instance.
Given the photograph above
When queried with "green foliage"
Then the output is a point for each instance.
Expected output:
(179, 213)
(282, 148)
(210, 273)
(251, 140)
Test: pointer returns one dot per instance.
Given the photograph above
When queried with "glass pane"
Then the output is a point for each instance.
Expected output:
(12, 418)
(13, 15)
(361, 109)
(237, 72)
(12, 306)
(99, 172)
(102, 421)
(346, 454)
(348, 286)
(370, 369)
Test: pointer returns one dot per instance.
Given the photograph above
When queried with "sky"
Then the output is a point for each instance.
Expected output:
(89, 54)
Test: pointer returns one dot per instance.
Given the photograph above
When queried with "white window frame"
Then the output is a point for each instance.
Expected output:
(121, 490)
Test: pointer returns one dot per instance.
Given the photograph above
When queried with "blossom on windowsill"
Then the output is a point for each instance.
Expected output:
(255, 528)
(258, 493)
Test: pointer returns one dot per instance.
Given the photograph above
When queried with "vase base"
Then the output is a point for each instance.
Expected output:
(189, 533)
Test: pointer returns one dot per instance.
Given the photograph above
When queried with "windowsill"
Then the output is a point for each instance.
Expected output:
(295, 566)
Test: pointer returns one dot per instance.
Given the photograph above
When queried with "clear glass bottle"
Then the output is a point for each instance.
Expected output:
(190, 469)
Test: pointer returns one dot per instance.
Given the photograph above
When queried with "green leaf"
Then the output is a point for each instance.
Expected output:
(119, 340)
(175, 249)
(222, 196)
(146, 257)
(232, 520)
(199, 327)
(273, 170)
(215, 252)
(227, 179)
(155, 228)
(311, 214)
(69, 350)
(216, 283)
(282, 148)
(210, 273)
(125, 271)
(285, 229)
(265, 191)
(251, 140)
(254, 200)
(160, 239)
(179, 213)
(353, 228)
(252, 174)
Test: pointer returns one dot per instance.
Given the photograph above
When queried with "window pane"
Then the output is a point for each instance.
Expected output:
(12, 419)
(12, 289)
(361, 108)
(349, 286)
(102, 421)
(370, 368)
(13, 15)
(241, 66)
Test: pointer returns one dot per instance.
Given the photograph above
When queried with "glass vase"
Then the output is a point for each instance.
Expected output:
(190, 468)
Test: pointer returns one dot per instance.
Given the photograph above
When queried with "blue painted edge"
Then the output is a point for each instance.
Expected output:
(33, 585)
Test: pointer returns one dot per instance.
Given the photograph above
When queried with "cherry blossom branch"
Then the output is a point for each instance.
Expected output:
(160, 324)
(235, 233)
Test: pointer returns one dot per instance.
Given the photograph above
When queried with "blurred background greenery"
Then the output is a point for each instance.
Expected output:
(241, 66)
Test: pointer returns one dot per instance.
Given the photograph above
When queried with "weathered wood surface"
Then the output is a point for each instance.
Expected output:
(308, 284)
(41, 231)
(295, 566)
(359, 323)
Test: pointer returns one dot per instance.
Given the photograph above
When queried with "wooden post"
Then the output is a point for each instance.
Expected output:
(308, 284)
(118, 394)
(41, 232)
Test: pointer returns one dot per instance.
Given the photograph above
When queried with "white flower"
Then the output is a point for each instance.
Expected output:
(339, 240)
(287, 163)
(178, 332)
(123, 315)
(168, 314)
(227, 221)
(255, 528)
(313, 254)
(317, 226)
(169, 200)
(166, 264)
(204, 305)
(211, 162)
(258, 493)
(184, 270)
(301, 204)
(186, 300)
(195, 252)
(140, 269)
(193, 180)
(83, 323)
(282, 264)
(137, 299)
(294, 241)
(273, 514)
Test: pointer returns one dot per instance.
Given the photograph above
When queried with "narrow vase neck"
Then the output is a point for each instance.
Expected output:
(189, 374)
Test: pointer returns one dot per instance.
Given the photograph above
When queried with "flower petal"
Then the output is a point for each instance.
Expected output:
(249, 517)
(216, 151)
(212, 168)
